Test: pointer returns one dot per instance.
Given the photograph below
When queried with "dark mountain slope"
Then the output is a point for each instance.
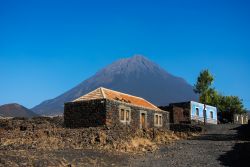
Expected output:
(136, 75)
(15, 110)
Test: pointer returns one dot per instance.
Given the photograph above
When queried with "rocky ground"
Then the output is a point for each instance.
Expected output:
(220, 145)
(45, 142)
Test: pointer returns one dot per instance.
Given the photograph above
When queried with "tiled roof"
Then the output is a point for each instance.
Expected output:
(96, 94)
(104, 93)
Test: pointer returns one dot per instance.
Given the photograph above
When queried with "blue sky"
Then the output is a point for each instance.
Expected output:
(48, 47)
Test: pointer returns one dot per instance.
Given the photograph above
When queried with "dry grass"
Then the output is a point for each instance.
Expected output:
(142, 144)
(139, 144)
(166, 137)
(60, 138)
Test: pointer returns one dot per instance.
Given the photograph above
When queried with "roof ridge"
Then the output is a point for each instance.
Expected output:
(79, 98)
(103, 94)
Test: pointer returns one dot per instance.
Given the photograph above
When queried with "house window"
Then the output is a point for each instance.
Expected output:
(158, 120)
(211, 115)
(122, 113)
(125, 114)
(197, 111)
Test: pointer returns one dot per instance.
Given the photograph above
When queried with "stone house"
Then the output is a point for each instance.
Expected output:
(187, 112)
(240, 118)
(105, 107)
(178, 114)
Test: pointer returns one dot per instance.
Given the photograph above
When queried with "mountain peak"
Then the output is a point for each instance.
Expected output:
(15, 110)
(138, 57)
(136, 64)
(134, 59)
(13, 104)
(141, 60)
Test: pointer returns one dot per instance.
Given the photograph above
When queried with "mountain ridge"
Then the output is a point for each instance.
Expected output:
(15, 110)
(136, 76)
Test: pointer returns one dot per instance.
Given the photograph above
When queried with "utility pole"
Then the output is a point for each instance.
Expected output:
(205, 114)
(204, 110)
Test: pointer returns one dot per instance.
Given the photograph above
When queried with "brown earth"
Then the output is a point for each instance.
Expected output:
(46, 142)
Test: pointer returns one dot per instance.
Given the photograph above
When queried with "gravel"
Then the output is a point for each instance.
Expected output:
(221, 145)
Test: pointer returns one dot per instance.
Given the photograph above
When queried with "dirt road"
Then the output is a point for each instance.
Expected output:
(221, 145)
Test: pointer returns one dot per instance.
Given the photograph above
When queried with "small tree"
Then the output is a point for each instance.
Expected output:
(213, 97)
(232, 104)
(227, 105)
(203, 86)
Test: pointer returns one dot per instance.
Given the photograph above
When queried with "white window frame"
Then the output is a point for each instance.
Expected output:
(126, 109)
(158, 123)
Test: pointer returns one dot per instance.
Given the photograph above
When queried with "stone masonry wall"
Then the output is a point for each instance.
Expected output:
(101, 112)
(179, 113)
(112, 117)
(90, 113)
(240, 119)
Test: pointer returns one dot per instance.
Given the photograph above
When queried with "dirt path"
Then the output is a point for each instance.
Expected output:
(221, 145)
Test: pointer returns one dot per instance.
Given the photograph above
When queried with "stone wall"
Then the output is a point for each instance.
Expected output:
(90, 113)
(102, 112)
(240, 119)
(112, 116)
(177, 114)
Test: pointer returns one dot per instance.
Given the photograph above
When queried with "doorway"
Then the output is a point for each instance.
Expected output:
(143, 119)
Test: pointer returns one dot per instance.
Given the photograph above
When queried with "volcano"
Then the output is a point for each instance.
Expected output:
(136, 76)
